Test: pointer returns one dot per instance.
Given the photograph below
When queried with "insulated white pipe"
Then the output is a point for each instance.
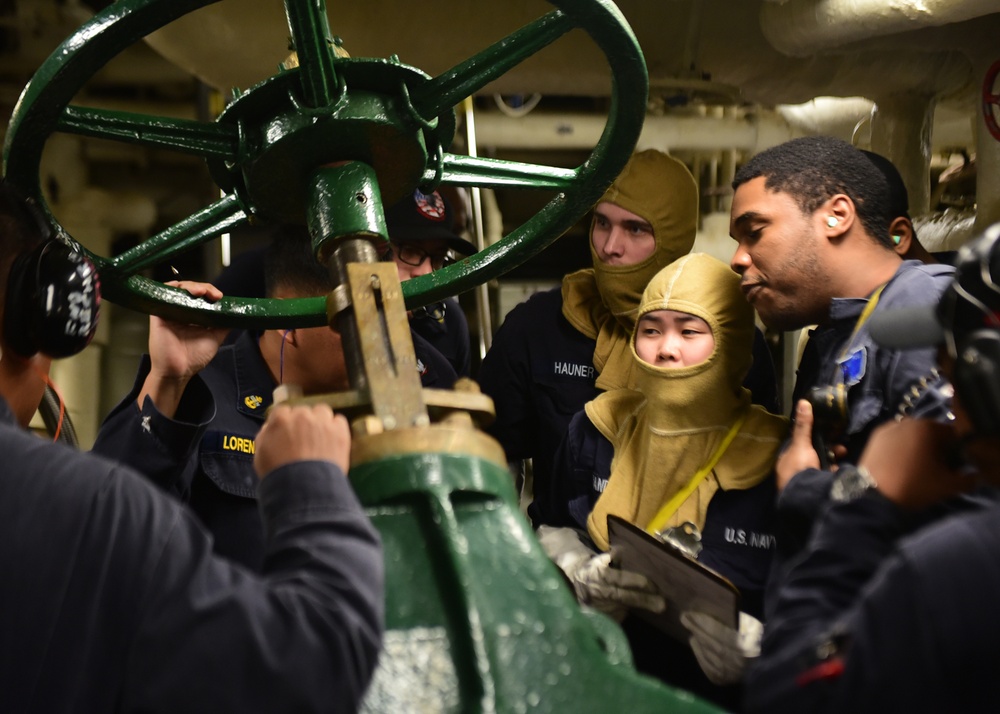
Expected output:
(833, 116)
(901, 131)
(582, 131)
(802, 28)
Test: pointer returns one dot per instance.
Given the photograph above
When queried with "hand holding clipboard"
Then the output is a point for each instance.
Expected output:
(684, 582)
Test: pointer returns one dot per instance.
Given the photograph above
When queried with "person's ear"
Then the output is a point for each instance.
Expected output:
(901, 232)
(837, 215)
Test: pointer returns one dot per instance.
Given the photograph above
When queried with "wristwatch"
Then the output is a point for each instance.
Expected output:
(851, 482)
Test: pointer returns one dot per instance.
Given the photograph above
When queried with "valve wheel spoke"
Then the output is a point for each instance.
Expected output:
(312, 42)
(463, 80)
(211, 140)
(323, 112)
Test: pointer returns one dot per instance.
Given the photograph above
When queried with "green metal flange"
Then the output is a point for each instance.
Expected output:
(267, 144)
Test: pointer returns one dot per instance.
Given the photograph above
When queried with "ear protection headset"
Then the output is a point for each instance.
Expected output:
(53, 293)
(52, 302)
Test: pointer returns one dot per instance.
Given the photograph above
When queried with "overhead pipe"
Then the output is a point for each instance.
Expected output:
(726, 130)
(802, 28)
(553, 132)
(834, 116)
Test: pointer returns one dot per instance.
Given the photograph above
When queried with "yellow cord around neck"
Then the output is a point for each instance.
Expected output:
(863, 318)
(664, 514)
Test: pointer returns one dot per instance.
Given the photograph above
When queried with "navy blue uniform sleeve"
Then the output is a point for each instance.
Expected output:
(798, 507)
(118, 602)
(871, 621)
(923, 635)
(820, 602)
(304, 636)
(160, 448)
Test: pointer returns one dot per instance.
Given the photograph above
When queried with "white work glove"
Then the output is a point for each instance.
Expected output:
(595, 582)
(721, 651)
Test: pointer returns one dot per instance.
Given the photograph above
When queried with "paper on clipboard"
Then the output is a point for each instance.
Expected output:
(685, 583)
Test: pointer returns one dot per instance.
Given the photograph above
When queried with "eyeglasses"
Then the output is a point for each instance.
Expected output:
(413, 255)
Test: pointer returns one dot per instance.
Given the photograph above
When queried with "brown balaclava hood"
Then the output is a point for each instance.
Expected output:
(674, 421)
(602, 302)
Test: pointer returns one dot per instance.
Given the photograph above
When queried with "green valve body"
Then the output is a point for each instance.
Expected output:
(477, 617)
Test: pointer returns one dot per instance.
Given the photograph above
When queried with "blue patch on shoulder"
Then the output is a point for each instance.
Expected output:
(853, 366)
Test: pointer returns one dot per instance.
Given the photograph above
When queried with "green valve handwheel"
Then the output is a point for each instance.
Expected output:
(265, 148)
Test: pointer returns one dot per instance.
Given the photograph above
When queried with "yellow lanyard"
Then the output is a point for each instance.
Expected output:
(664, 514)
(862, 319)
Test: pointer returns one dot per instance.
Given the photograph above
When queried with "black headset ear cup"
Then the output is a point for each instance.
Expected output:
(52, 301)
(977, 379)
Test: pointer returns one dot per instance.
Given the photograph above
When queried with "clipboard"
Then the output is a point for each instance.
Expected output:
(685, 583)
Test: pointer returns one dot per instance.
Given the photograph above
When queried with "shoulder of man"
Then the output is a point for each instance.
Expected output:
(539, 305)
(916, 283)
(970, 531)
(537, 318)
